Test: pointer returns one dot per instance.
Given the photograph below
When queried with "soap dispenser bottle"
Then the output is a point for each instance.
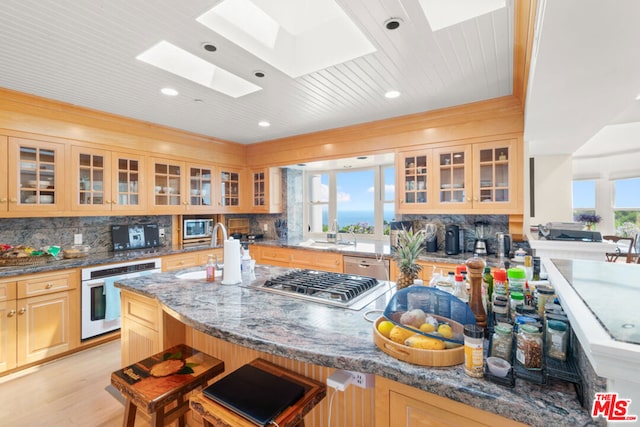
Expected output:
(245, 264)
(210, 269)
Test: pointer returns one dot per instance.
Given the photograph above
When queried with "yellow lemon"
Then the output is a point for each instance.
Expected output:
(445, 330)
(427, 327)
(399, 334)
(426, 343)
(385, 328)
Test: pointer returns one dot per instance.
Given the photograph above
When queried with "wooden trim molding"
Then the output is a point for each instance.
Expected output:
(524, 26)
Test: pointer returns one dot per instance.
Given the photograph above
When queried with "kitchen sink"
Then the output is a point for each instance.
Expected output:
(197, 275)
(341, 246)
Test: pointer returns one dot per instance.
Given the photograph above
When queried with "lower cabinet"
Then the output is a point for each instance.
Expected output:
(40, 317)
(297, 258)
(399, 405)
(189, 259)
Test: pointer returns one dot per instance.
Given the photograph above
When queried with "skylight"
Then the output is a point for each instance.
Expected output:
(296, 37)
(175, 60)
(445, 13)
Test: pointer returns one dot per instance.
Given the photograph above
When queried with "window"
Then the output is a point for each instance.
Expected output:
(584, 198)
(627, 206)
(360, 201)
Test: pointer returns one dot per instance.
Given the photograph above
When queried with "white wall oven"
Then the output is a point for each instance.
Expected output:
(101, 301)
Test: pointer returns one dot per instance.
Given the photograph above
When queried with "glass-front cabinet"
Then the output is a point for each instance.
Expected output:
(453, 176)
(266, 195)
(106, 180)
(168, 182)
(35, 179)
(495, 175)
(414, 180)
(201, 188)
(231, 187)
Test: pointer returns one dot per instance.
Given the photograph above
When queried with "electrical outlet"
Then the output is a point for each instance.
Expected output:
(265, 226)
(77, 239)
(340, 380)
(362, 380)
(161, 233)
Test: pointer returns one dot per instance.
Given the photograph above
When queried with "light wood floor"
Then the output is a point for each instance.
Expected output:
(67, 392)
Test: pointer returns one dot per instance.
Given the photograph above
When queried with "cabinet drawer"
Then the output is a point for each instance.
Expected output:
(142, 310)
(8, 291)
(177, 262)
(329, 262)
(302, 259)
(45, 284)
(275, 256)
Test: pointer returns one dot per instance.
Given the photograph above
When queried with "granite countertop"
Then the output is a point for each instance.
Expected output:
(340, 338)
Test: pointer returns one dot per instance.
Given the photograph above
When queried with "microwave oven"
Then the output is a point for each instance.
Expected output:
(197, 228)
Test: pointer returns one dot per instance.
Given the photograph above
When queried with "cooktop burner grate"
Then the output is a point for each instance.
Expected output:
(322, 285)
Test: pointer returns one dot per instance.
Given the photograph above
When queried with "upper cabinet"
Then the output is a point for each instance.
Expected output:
(35, 178)
(232, 190)
(103, 180)
(266, 195)
(483, 177)
(201, 188)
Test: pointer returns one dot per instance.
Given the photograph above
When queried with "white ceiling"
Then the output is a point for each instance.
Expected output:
(84, 52)
(583, 84)
(585, 71)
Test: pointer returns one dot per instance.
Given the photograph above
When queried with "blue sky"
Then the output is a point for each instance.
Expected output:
(627, 193)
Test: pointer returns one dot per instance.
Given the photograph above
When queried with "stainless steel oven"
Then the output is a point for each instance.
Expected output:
(100, 311)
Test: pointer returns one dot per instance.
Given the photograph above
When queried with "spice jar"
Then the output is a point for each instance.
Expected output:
(517, 299)
(500, 282)
(517, 279)
(501, 342)
(473, 350)
(544, 294)
(556, 339)
(529, 347)
(501, 308)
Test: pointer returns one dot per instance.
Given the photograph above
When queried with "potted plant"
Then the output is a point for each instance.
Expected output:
(589, 220)
(409, 247)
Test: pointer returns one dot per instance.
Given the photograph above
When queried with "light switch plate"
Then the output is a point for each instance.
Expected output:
(77, 239)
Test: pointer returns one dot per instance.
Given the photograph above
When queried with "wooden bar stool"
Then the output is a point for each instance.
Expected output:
(216, 415)
(166, 377)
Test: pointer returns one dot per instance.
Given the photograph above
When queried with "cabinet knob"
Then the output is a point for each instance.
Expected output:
(49, 285)
(3, 200)
(108, 202)
(22, 310)
(13, 200)
(114, 202)
(11, 313)
(181, 262)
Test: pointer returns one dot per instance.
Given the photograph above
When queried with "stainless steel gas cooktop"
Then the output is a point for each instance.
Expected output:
(342, 290)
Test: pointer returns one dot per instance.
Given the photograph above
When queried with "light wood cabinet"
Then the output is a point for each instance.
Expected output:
(202, 194)
(35, 179)
(40, 317)
(399, 405)
(298, 258)
(4, 186)
(232, 190)
(266, 195)
(190, 259)
(482, 177)
(102, 179)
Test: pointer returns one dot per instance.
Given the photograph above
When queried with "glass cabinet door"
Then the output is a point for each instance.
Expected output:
(200, 186)
(259, 189)
(494, 174)
(230, 188)
(167, 184)
(453, 174)
(128, 188)
(91, 173)
(415, 179)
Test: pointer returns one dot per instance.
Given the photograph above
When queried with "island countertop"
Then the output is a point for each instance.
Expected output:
(340, 338)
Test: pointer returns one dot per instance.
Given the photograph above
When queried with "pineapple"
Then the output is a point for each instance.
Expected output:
(406, 254)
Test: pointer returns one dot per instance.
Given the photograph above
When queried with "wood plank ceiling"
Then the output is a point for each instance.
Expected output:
(84, 52)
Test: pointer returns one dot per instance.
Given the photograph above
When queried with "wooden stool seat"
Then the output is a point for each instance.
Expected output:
(216, 415)
(155, 382)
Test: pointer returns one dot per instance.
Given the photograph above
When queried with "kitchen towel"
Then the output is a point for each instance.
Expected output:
(112, 299)
(231, 274)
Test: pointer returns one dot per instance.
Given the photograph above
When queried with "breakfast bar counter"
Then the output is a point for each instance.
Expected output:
(318, 338)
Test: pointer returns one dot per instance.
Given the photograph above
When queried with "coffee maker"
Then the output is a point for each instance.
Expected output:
(452, 239)
(480, 245)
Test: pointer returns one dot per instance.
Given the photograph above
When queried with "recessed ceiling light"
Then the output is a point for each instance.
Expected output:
(638, 97)
(392, 23)
(392, 94)
(209, 47)
(169, 91)
(258, 73)
(361, 157)
(264, 123)
(302, 164)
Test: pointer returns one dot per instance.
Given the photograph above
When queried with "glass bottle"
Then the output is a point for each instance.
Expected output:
(210, 269)
(556, 339)
(487, 289)
(460, 289)
(529, 347)
(501, 342)
(516, 299)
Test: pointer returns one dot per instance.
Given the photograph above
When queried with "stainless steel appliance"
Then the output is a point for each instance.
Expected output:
(504, 245)
(371, 267)
(97, 283)
(452, 239)
(197, 228)
(337, 289)
(480, 245)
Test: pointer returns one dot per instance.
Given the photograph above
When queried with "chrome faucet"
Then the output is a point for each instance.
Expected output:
(355, 240)
(214, 235)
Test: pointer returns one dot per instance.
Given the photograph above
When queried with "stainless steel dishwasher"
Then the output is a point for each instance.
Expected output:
(366, 266)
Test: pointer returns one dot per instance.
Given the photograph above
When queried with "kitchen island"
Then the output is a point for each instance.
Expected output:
(237, 323)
